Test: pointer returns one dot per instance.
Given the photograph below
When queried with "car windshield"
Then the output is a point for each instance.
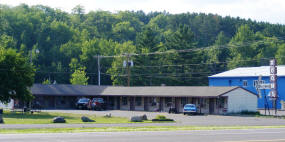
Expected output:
(189, 105)
(83, 100)
(100, 100)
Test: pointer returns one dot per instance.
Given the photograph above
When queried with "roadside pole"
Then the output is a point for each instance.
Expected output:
(98, 68)
(129, 72)
(273, 83)
(128, 64)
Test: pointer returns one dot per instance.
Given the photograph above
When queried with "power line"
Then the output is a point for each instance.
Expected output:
(200, 64)
(225, 46)
(249, 60)
(145, 74)
(170, 65)
(162, 76)
(217, 47)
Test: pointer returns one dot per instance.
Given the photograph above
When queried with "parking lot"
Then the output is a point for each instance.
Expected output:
(182, 120)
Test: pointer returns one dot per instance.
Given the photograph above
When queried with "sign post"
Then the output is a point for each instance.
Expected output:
(261, 85)
(273, 83)
(272, 86)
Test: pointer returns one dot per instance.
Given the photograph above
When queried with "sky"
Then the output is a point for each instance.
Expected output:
(272, 11)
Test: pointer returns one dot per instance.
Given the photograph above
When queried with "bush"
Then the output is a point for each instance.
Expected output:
(250, 113)
(160, 117)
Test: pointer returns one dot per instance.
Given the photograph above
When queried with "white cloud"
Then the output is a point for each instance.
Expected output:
(260, 10)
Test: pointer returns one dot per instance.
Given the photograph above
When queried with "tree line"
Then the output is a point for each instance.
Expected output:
(171, 49)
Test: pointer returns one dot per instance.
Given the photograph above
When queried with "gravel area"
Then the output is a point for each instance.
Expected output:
(181, 120)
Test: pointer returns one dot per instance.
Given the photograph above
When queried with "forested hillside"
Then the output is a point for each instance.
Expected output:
(170, 49)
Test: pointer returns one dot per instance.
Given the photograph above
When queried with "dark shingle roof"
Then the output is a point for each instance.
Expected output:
(93, 90)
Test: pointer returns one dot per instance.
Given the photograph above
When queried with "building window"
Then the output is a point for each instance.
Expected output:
(168, 101)
(244, 83)
(138, 101)
(221, 102)
(152, 101)
(183, 101)
(202, 102)
(125, 100)
(194, 101)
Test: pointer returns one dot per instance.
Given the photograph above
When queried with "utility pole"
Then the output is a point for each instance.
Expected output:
(98, 68)
(128, 68)
(37, 51)
(128, 64)
(273, 83)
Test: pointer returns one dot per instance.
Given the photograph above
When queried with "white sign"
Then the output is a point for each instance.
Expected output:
(264, 86)
(272, 62)
(273, 79)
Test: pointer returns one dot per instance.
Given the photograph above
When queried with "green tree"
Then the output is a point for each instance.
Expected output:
(218, 54)
(241, 49)
(16, 75)
(183, 38)
(79, 77)
(280, 56)
(46, 82)
(78, 12)
(118, 72)
(123, 31)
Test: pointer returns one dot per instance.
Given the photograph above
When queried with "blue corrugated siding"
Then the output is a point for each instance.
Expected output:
(238, 81)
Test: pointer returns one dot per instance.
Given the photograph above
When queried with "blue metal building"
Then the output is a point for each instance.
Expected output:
(246, 76)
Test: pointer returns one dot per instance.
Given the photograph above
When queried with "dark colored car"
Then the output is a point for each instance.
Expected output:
(97, 104)
(82, 103)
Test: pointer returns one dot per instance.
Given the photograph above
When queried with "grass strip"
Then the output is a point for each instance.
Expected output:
(71, 118)
(126, 129)
(47, 117)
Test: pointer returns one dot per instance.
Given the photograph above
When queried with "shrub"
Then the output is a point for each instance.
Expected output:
(160, 117)
(250, 112)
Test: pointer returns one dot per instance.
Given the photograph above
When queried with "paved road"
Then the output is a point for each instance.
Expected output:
(181, 120)
(256, 135)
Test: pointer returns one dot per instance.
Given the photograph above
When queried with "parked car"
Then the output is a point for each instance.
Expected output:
(190, 109)
(97, 104)
(82, 103)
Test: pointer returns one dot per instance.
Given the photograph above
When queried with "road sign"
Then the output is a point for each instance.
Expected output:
(273, 79)
(264, 86)
(272, 62)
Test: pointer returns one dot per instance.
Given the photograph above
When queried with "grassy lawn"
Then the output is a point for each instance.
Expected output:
(126, 129)
(47, 117)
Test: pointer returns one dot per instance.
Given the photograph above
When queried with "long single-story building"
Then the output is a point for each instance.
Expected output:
(209, 100)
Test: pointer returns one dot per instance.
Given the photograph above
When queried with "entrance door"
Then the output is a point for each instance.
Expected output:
(145, 104)
(118, 102)
(132, 103)
(212, 106)
(112, 102)
(160, 104)
(177, 106)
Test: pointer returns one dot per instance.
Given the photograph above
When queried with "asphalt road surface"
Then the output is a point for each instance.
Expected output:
(251, 135)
